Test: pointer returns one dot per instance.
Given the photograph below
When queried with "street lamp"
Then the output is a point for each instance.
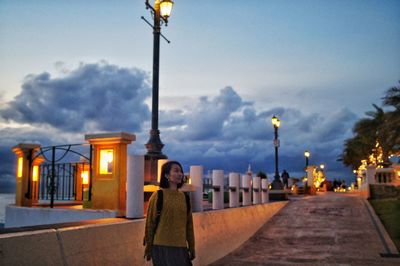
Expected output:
(322, 166)
(161, 11)
(276, 184)
(307, 155)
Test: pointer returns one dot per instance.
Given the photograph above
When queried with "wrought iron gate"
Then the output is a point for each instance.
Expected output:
(58, 178)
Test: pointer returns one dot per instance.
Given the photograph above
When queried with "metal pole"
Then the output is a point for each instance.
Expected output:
(154, 145)
(276, 155)
(53, 176)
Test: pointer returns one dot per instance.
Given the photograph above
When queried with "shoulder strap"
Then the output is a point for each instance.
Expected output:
(159, 208)
(188, 206)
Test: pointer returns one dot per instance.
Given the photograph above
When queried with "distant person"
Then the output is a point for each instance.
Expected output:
(169, 234)
(285, 178)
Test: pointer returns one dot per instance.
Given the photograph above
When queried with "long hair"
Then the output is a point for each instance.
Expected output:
(166, 168)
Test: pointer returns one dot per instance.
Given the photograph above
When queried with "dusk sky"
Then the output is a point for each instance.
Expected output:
(70, 68)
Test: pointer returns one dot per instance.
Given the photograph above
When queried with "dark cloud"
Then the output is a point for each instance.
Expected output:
(231, 139)
(92, 97)
(207, 118)
(222, 132)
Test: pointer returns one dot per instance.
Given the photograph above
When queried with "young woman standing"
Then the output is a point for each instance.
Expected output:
(169, 235)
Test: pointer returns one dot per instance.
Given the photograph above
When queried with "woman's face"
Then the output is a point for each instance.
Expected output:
(175, 175)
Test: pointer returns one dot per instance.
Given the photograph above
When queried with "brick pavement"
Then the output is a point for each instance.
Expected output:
(327, 229)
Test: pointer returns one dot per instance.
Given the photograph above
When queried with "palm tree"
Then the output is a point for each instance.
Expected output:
(391, 125)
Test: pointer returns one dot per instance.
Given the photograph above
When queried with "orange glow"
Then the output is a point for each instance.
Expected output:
(106, 161)
(160, 163)
(150, 188)
(20, 161)
(85, 177)
(35, 173)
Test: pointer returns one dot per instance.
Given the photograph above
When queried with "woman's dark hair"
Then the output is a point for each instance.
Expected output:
(165, 169)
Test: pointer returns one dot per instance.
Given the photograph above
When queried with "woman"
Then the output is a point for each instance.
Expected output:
(169, 236)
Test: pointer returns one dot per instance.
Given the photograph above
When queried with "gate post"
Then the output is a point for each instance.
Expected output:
(109, 169)
(25, 187)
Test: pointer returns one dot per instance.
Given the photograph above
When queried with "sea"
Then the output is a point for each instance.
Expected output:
(5, 199)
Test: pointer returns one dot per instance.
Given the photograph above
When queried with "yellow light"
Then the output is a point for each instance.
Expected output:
(275, 121)
(85, 177)
(19, 170)
(166, 8)
(106, 161)
(35, 173)
(322, 166)
(150, 188)
(307, 154)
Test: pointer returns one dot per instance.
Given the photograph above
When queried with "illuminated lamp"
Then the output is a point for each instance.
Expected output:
(19, 170)
(106, 161)
(35, 173)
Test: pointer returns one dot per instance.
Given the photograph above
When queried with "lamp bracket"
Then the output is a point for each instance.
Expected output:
(152, 26)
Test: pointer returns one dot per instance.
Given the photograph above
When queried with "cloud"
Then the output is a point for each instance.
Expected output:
(242, 134)
(207, 118)
(92, 97)
(222, 132)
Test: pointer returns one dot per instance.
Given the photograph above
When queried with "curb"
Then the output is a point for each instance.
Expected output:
(387, 242)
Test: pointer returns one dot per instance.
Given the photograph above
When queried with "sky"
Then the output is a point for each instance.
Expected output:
(70, 68)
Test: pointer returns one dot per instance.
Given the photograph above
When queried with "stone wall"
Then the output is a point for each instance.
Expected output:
(384, 191)
(217, 233)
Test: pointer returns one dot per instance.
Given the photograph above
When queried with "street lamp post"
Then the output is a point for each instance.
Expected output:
(307, 155)
(276, 184)
(161, 11)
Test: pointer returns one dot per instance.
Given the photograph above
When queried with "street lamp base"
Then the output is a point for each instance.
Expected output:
(277, 185)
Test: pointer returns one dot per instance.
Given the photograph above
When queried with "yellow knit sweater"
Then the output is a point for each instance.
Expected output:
(175, 228)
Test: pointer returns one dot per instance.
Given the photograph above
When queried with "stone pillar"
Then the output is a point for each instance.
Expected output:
(246, 190)
(234, 179)
(256, 190)
(134, 187)
(110, 170)
(370, 173)
(196, 175)
(264, 190)
(25, 186)
(218, 189)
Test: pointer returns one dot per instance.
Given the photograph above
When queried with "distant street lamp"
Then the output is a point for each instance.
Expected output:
(322, 166)
(307, 155)
(276, 184)
(160, 12)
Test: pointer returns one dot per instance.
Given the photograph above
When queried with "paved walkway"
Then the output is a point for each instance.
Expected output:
(328, 229)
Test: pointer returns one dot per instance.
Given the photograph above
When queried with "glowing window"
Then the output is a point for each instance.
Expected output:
(85, 177)
(35, 173)
(20, 161)
(106, 161)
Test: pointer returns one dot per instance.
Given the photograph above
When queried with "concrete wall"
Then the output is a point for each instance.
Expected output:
(217, 233)
(24, 216)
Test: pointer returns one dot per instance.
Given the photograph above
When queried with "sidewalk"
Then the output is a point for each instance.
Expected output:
(327, 229)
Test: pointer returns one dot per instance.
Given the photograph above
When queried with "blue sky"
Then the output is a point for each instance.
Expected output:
(230, 66)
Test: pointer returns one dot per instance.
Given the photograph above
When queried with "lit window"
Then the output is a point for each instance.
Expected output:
(20, 161)
(106, 161)
(85, 177)
(35, 173)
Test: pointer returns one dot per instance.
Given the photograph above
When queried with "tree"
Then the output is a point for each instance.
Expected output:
(377, 135)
